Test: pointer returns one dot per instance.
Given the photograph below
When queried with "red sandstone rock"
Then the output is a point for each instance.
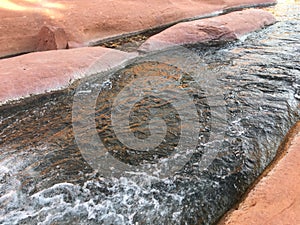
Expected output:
(275, 200)
(87, 21)
(41, 72)
(221, 28)
(51, 38)
(73, 44)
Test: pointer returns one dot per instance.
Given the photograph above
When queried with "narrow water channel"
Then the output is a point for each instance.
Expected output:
(45, 179)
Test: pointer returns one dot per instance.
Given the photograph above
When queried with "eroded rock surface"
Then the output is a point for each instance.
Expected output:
(221, 28)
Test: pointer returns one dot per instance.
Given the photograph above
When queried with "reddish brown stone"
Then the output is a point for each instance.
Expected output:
(88, 21)
(51, 38)
(221, 28)
(41, 72)
(275, 200)
(73, 44)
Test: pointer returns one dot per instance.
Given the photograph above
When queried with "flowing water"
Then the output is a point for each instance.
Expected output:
(255, 85)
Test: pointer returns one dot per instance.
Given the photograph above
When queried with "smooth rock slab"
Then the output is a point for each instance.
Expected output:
(41, 72)
(227, 27)
(275, 200)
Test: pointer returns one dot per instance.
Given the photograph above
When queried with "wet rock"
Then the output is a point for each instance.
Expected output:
(222, 28)
(89, 21)
(276, 198)
(51, 38)
(259, 111)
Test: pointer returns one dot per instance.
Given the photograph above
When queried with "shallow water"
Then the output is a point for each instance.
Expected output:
(246, 96)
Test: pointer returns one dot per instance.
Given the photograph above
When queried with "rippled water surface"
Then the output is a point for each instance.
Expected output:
(255, 83)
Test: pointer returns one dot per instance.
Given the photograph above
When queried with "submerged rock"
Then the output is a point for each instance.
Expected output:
(276, 198)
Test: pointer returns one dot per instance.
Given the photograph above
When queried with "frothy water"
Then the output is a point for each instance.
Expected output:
(45, 180)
